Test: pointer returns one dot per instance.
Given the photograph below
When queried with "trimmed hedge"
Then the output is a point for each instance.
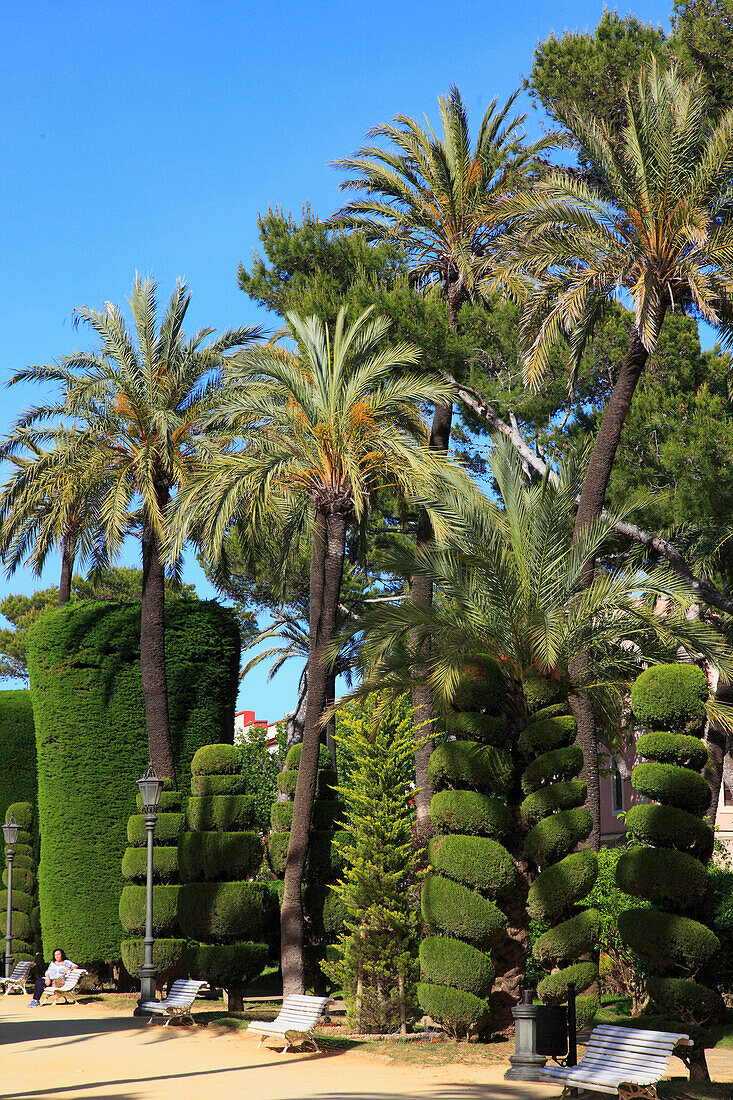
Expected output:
(168, 802)
(460, 911)
(553, 988)
(569, 940)
(168, 828)
(476, 861)
(219, 857)
(568, 795)
(327, 780)
(135, 865)
(471, 725)
(667, 697)
(18, 778)
(25, 893)
(22, 901)
(456, 1010)
(221, 759)
(481, 688)
(205, 786)
(672, 785)
(84, 662)
(225, 911)
(223, 813)
(467, 764)
(444, 961)
(552, 766)
(470, 813)
(165, 910)
(668, 825)
(554, 837)
(559, 887)
(685, 1000)
(169, 957)
(292, 760)
(667, 938)
(23, 879)
(324, 862)
(673, 748)
(224, 963)
(664, 877)
(550, 733)
(326, 814)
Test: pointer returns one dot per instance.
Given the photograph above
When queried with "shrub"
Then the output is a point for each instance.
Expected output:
(673, 786)
(456, 1010)
(216, 856)
(554, 837)
(664, 876)
(476, 861)
(471, 725)
(556, 890)
(567, 795)
(551, 733)
(169, 957)
(685, 1000)
(207, 785)
(553, 989)
(468, 764)
(572, 938)
(444, 961)
(18, 780)
(323, 863)
(460, 911)
(670, 696)
(84, 661)
(217, 760)
(225, 911)
(225, 963)
(326, 813)
(292, 760)
(223, 813)
(327, 780)
(168, 802)
(552, 766)
(23, 879)
(469, 812)
(165, 910)
(168, 828)
(667, 938)
(667, 826)
(481, 688)
(22, 901)
(135, 863)
(673, 748)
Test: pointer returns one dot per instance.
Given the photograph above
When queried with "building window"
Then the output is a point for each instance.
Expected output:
(617, 791)
(727, 795)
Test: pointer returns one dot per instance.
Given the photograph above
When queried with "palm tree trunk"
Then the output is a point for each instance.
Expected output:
(152, 653)
(590, 507)
(327, 561)
(67, 569)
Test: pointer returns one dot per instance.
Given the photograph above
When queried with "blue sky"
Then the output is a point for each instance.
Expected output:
(147, 136)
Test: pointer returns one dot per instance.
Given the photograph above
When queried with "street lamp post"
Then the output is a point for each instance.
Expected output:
(150, 787)
(10, 831)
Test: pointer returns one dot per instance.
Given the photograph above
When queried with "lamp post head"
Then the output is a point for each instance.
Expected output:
(150, 787)
(10, 831)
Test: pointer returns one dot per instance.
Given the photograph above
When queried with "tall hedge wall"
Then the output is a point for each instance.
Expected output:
(18, 782)
(84, 662)
(668, 867)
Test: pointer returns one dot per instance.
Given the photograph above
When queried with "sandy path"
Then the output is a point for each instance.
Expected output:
(85, 1051)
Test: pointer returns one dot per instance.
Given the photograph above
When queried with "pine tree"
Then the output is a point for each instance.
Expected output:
(375, 959)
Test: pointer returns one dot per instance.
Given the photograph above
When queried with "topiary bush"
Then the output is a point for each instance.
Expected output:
(166, 877)
(668, 867)
(470, 870)
(558, 823)
(26, 945)
(18, 778)
(84, 662)
(218, 905)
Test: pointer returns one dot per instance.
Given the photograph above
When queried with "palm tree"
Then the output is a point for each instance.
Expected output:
(323, 429)
(651, 223)
(514, 590)
(138, 411)
(437, 196)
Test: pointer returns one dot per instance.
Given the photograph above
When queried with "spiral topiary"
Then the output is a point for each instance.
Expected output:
(169, 949)
(25, 923)
(557, 821)
(322, 910)
(668, 865)
(470, 869)
(219, 907)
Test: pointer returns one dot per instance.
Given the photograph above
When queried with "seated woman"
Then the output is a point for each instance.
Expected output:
(58, 968)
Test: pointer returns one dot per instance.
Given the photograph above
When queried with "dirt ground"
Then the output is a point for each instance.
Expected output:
(93, 1050)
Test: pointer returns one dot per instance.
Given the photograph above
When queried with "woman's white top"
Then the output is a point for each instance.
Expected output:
(60, 970)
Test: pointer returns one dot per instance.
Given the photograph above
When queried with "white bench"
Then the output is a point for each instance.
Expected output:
(620, 1060)
(295, 1022)
(62, 994)
(16, 982)
(177, 1004)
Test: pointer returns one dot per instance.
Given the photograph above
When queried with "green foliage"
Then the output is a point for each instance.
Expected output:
(469, 812)
(207, 785)
(217, 760)
(543, 735)
(219, 856)
(466, 764)
(476, 861)
(226, 812)
(260, 770)
(444, 961)
(668, 939)
(168, 828)
(165, 864)
(225, 912)
(671, 748)
(557, 796)
(22, 901)
(669, 826)
(558, 888)
(18, 781)
(665, 877)
(622, 970)
(326, 813)
(481, 688)
(556, 765)
(327, 780)
(554, 837)
(165, 910)
(569, 940)
(222, 964)
(91, 737)
(169, 957)
(698, 1005)
(722, 925)
(553, 989)
(473, 725)
(375, 956)
(323, 863)
(672, 786)
(453, 908)
(703, 42)
(542, 692)
(456, 1010)
(292, 760)
(168, 802)
(670, 697)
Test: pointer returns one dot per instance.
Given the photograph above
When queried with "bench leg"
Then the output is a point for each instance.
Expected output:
(629, 1091)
